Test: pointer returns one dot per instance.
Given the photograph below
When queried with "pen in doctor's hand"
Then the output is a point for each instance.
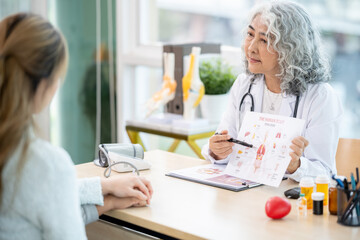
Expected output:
(238, 142)
(241, 142)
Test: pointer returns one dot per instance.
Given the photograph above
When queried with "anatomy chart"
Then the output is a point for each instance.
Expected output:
(268, 159)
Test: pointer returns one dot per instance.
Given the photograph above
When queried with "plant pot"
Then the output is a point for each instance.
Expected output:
(213, 106)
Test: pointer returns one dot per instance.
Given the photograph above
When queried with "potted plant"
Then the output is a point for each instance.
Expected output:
(218, 77)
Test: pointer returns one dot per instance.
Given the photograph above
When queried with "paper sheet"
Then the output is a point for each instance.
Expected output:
(271, 135)
(212, 174)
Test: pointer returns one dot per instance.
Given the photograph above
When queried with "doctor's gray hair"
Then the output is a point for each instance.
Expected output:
(292, 34)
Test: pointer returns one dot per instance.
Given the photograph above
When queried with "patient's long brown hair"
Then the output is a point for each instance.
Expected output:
(31, 51)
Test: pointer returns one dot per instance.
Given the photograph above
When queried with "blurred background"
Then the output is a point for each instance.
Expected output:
(127, 36)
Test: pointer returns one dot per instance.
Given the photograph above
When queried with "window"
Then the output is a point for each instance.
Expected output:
(13, 6)
(73, 111)
(193, 21)
(171, 21)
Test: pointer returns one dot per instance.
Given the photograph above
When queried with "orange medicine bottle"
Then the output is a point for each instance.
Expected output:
(333, 198)
(307, 188)
(322, 185)
(302, 205)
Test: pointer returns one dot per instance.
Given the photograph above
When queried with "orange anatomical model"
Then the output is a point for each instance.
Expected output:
(167, 92)
(260, 154)
(193, 88)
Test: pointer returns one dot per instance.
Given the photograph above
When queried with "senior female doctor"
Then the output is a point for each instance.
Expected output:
(286, 74)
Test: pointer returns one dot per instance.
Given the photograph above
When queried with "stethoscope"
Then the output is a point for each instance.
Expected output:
(252, 100)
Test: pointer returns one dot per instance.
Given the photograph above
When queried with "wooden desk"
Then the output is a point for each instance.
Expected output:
(187, 210)
(133, 128)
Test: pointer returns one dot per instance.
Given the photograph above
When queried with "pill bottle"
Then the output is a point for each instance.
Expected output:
(318, 202)
(307, 188)
(322, 185)
(302, 205)
(333, 198)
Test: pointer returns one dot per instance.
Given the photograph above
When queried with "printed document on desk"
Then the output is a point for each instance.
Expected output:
(213, 175)
(271, 136)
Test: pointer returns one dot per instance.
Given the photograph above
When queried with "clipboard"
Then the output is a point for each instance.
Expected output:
(213, 175)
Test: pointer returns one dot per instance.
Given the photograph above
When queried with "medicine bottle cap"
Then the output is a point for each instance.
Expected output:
(306, 182)
(333, 183)
(317, 196)
(322, 179)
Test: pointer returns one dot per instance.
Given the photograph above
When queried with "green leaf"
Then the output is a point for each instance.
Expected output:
(217, 76)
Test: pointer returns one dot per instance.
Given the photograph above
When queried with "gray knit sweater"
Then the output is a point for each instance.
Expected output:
(47, 201)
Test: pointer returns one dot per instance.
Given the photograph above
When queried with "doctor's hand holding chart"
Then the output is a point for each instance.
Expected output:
(267, 158)
(286, 75)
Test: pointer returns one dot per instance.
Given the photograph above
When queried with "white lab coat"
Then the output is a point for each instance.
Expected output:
(319, 106)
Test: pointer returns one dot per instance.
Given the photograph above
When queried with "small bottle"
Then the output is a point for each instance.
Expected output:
(322, 185)
(302, 205)
(318, 202)
(307, 187)
(333, 198)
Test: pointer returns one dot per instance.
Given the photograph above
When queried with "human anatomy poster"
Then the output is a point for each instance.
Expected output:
(268, 159)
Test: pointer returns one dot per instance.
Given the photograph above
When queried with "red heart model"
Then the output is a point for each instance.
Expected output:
(277, 207)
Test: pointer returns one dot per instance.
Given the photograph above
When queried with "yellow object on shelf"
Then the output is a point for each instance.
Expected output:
(186, 81)
(193, 87)
(201, 94)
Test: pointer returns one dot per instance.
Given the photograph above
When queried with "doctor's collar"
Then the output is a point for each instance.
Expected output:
(255, 78)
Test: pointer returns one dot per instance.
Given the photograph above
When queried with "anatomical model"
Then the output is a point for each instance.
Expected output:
(167, 92)
(193, 88)
(260, 154)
